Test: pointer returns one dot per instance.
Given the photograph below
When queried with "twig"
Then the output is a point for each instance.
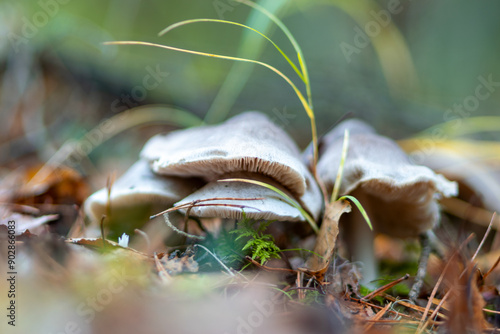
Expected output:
(195, 204)
(423, 324)
(377, 317)
(492, 268)
(102, 232)
(385, 287)
(422, 267)
(169, 224)
(484, 237)
(266, 268)
(144, 236)
(216, 258)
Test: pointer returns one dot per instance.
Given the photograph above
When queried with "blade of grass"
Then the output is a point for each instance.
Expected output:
(250, 46)
(287, 198)
(120, 122)
(360, 208)
(390, 45)
(470, 125)
(216, 258)
(305, 104)
(303, 67)
(186, 22)
(340, 172)
(290, 37)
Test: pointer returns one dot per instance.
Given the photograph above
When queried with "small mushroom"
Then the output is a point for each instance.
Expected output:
(255, 201)
(248, 143)
(464, 162)
(400, 198)
(138, 194)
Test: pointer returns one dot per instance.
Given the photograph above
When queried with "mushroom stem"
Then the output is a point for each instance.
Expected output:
(425, 243)
(361, 243)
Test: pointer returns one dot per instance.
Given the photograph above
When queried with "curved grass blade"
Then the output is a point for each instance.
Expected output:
(360, 208)
(121, 122)
(340, 172)
(305, 104)
(250, 46)
(290, 37)
(470, 125)
(186, 22)
(390, 46)
(303, 67)
(287, 198)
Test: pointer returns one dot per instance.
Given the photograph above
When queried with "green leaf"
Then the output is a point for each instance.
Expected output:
(360, 208)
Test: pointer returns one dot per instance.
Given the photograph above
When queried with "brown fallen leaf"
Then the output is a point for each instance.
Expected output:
(327, 237)
(25, 222)
(175, 264)
(97, 243)
(466, 303)
(48, 184)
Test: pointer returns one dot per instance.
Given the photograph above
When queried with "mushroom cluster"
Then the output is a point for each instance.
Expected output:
(184, 169)
(247, 146)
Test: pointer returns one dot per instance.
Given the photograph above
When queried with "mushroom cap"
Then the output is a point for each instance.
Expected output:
(355, 126)
(271, 207)
(139, 190)
(249, 142)
(478, 176)
(400, 197)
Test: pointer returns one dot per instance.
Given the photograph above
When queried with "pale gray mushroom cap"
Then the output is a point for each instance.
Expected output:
(480, 177)
(399, 196)
(139, 186)
(271, 207)
(249, 142)
(355, 126)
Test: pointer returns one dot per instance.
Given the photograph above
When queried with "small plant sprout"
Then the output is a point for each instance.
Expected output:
(338, 182)
(261, 245)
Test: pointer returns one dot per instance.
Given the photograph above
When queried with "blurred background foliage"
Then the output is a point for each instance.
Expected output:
(425, 60)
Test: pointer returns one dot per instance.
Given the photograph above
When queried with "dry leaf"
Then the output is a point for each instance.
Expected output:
(327, 237)
(61, 185)
(25, 222)
(466, 303)
(176, 264)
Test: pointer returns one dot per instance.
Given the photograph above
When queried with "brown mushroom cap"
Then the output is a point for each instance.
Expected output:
(139, 191)
(399, 196)
(270, 206)
(249, 142)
